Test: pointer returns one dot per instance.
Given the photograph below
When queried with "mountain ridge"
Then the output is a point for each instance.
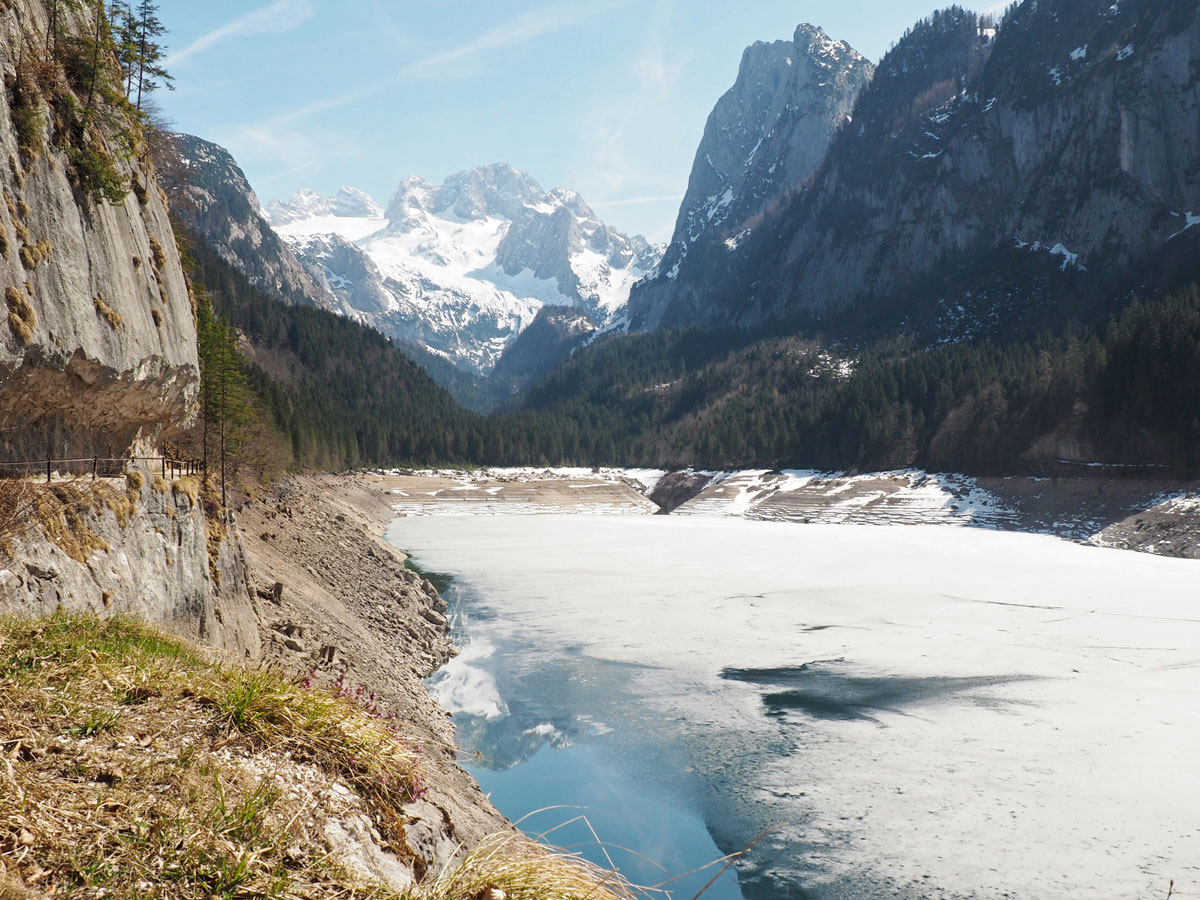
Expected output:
(979, 156)
(465, 266)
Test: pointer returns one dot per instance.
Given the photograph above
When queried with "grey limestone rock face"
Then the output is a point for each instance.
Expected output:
(98, 358)
(1074, 135)
(99, 349)
(149, 559)
(764, 139)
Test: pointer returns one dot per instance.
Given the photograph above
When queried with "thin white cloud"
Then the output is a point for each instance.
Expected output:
(278, 17)
(517, 30)
(292, 171)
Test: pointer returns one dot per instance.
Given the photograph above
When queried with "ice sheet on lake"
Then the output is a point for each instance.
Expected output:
(930, 711)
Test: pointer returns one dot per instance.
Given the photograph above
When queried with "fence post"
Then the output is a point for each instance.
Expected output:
(95, 466)
(164, 468)
(47, 470)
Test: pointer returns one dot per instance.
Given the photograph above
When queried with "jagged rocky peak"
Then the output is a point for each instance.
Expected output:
(413, 194)
(981, 157)
(202, 171)
(496, 191)
(306, 204)
(762, 142)
(808, 85)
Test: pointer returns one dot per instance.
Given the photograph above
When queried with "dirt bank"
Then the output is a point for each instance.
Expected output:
(333, 597)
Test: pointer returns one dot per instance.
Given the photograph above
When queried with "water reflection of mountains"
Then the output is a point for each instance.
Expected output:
(501, 743)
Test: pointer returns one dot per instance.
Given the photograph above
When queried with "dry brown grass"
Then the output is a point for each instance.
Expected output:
(130, 766)
(133, 766)
(107, 313)
(21, 317)
(61, 511)
(65, 512)
(158, 258)
(523, 870)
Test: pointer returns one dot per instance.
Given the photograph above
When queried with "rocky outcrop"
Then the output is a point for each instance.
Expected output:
(140, 546)
(336, 598)
(989, 173)
(763, 141)
(350, 274)
(556, 333)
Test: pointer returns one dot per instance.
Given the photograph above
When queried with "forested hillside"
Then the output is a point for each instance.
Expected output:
(338, 393)
(1125, 392)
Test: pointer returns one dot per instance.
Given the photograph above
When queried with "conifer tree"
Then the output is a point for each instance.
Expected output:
(147, 71)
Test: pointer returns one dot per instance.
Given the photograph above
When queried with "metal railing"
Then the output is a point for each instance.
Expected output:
(98, 467)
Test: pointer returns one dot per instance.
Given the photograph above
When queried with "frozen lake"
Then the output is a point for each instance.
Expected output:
(917, 712)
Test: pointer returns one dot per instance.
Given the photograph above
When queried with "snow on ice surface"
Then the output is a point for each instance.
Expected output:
(1079, 53)
(929, 711)
(1125, 52)
(491, 501)
(907, 496)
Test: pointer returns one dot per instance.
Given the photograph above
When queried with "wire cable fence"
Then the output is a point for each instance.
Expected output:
(98, 467)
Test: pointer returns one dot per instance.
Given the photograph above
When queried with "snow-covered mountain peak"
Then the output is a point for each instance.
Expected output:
(570, 200)
(412, 194)
(463, 267)
(351, 202)
(307, 204)
(820, 46)
(495, 191)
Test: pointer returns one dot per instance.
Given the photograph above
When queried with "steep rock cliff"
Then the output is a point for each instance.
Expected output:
(98, 357)
(763, 141)
(211, 198)
(988, 174)
(139, 545)
(99, 350)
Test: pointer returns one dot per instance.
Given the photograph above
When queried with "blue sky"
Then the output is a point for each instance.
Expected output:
(607, 97)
